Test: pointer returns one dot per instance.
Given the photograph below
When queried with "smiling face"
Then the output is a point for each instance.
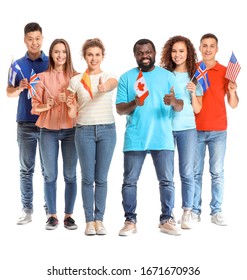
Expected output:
(33, 41)
(58, 55)
(208, 48)
(93, 57)
(179, 54)
(145, 57)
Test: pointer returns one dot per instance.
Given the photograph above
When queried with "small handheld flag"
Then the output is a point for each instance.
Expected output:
(141, 87)
(13, 70)
(233, 68)
(201, 75)
(34, 79)
(86, 82)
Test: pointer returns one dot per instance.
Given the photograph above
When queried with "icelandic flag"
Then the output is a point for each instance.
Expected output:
(141, 87)
(201, 75)
(13, 70)
(34, 79)
(86, 82)
(233, 68)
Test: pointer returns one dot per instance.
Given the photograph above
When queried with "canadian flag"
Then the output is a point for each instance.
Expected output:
(141, 87)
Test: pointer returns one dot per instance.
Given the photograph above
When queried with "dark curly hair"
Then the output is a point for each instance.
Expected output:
(166, 59)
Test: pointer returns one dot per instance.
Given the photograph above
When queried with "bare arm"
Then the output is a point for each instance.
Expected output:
(126, 108)
(15, 91)
(110, 84)
(232, 96)
(73, 105)
(196, 103)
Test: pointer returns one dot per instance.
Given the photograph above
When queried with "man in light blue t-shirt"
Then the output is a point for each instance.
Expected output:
(148, 94)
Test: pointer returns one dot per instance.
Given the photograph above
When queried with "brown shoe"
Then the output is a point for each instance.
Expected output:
(129, 228)
(170, 227)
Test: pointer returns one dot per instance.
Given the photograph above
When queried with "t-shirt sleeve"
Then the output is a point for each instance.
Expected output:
(122, 96)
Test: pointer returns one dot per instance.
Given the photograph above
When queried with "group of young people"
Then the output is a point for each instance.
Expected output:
(75, 109)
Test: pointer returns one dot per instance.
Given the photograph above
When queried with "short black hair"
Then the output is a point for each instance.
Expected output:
(31, 27)
(143, 42)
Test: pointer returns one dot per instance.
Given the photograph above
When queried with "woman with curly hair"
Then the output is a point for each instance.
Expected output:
(179, 56)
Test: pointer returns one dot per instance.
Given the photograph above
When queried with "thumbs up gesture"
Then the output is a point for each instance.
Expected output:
(101, 86)
(169, 98)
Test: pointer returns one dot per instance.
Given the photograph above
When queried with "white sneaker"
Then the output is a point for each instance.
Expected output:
(24, 219)
(90, 228)
(99, 227)
(218, 219)
(186, 221)
(195, 217)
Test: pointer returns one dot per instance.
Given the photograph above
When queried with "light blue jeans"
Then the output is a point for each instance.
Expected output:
(95, 145)
(49, 143)
(216, 142)
(185, 141)
(164, 166)
(28, 135)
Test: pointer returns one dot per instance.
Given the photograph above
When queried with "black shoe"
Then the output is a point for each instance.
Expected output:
(51, 223)
(69, 223)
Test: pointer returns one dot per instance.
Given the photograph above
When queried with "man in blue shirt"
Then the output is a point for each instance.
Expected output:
(27, 132)
(148, 130)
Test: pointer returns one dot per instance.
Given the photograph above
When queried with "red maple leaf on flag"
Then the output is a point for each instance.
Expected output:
(141, 86)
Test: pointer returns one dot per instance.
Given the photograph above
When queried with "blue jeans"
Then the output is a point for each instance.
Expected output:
(95, 145)
(185, 141)
(28, 135)
(164, 166)
(216, 142)
(49, 143)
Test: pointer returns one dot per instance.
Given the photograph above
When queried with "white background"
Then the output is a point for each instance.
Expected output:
(28, 251)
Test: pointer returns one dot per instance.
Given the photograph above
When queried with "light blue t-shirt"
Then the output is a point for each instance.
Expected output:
(185, 119)
(148, 127)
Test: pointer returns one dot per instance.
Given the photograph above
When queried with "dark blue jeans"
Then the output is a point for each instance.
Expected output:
(28, 135)
(164, 166)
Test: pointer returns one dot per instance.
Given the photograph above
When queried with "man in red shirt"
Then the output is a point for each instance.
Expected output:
(211, 124)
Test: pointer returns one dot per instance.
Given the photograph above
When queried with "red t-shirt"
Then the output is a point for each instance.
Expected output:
(213, 113)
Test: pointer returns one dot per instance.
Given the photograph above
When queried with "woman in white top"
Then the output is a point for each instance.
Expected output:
(95, 137)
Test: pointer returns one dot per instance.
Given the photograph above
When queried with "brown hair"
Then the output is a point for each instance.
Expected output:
(166, 60)
(90, 43)
(69, 68)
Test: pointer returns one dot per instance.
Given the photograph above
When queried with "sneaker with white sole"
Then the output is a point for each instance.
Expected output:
(195, 217)
(90, 228)
(52, 223)
(24, 219)
(129, 228)
(186, 221)
(218, 219)
(99, 227)
(69, 223)
(169, 227)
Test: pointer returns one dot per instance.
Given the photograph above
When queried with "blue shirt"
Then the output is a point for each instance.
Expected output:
(148, 127)
(24, 104)
(186, 118)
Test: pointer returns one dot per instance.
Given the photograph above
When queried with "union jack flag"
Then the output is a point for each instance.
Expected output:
(201, 75)
(34, 79)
